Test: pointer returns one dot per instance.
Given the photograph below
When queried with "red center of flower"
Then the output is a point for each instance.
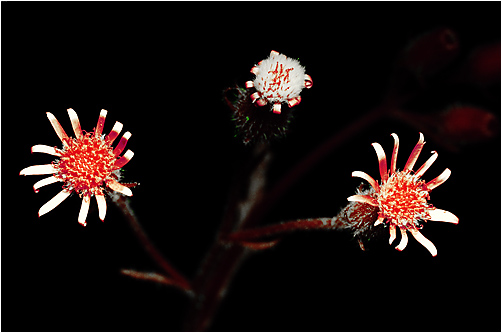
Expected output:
(85, 164)
(403, 199)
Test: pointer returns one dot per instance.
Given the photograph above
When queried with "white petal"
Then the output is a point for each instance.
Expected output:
(393, 159)
(424, 241)
(58, 129)
(414, 154)
(439, 179)
(404, 240)
(45, 149)
(123, 160)
(368, 178)
(392, 232)
(44, 169)
(101, 123)
(442, 216)
(382, 161)
(75, 123)
(45, 181)
(54, 202)
(84, 209)
(116, 186)
(363, 198)
(122, 143)
(379, 220)
(426, 165)
(114, 133)
(100, 199)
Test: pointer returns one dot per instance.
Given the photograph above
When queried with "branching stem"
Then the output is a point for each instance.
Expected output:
(223, 258)
(178, 279)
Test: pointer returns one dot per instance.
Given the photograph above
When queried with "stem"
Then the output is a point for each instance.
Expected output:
(178, 279)
(430, 125)
(223, 259)
(212, 286)
(259, 245)
(311, 160)
(148, 276)
(285, 227)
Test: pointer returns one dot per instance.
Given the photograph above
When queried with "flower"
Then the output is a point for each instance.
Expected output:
(402, 196)
(279, 79)
(86, 164)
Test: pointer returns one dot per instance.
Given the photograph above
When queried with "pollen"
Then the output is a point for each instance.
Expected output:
(85, 164)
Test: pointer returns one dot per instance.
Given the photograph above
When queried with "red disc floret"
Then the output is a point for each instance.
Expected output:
(85, 164)
(403, 199)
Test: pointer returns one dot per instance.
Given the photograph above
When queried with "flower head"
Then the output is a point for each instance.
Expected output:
(86, 165)
(279, 79)
(402, 197)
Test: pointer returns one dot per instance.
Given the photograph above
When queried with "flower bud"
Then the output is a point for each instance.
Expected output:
(466, 124)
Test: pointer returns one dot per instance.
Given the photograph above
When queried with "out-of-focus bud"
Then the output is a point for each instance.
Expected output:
(429, 53)
(459, 125)
(467, 124)
(483, 65)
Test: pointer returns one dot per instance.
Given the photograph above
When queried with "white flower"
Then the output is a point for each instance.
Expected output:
(279, 79)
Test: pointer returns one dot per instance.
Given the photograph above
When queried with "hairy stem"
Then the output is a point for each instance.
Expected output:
(223, 259)
(286, 227)
(310, 161)
(178, 279)
(148, 276)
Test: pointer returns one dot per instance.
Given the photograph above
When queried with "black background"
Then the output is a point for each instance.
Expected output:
(160, 68)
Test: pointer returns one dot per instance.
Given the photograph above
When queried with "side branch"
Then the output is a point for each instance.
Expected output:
(302, 167)
(148, 276)
(285, 227)
(177, 278)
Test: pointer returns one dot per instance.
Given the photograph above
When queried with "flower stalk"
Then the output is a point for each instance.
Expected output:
(177, 278)
(257, 233)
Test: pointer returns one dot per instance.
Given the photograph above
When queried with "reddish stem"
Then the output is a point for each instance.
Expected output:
(259, 245)
(311, 160)
(177, 278)
(223, 260)
(281, 228)
(148, 276)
